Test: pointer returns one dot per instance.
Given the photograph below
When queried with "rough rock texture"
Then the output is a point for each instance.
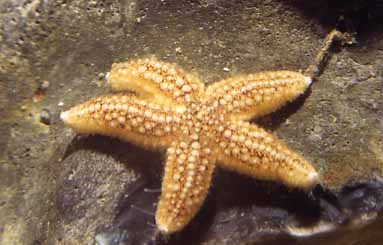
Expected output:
(55, 186)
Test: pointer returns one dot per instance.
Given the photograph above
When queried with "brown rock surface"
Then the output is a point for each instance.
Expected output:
(55, 186)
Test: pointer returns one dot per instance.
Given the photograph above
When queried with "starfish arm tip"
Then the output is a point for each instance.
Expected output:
(64, 116)
(163, 228)
(308, 80)
(313, 178)
(305, 180)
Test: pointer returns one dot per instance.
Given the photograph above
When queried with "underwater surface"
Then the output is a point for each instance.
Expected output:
(59, 187)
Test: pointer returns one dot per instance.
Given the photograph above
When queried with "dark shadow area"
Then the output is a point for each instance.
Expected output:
(135, 223)
(146, 162)
(274, 120)
(362, 197)
(360, 16)
(251, 192)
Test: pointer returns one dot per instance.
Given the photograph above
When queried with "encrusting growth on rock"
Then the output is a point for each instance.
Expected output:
(200, 128)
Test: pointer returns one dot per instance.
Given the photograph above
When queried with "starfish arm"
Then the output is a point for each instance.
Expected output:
(150, 77)
(127, 117)
(254, 95)
(186, 181)
(250, 150)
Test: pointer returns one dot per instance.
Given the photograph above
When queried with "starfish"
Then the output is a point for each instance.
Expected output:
(161, 106)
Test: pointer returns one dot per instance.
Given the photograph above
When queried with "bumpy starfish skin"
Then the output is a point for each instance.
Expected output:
(199, 127)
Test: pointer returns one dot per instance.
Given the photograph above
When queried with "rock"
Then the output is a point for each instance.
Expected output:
(44, 85)
(58, 187)
(45, 116)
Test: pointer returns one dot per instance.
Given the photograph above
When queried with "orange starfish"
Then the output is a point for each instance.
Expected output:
(200, 128)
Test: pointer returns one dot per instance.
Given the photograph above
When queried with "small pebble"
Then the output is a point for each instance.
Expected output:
(45, 116)
(44, 85)
(101, 76)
